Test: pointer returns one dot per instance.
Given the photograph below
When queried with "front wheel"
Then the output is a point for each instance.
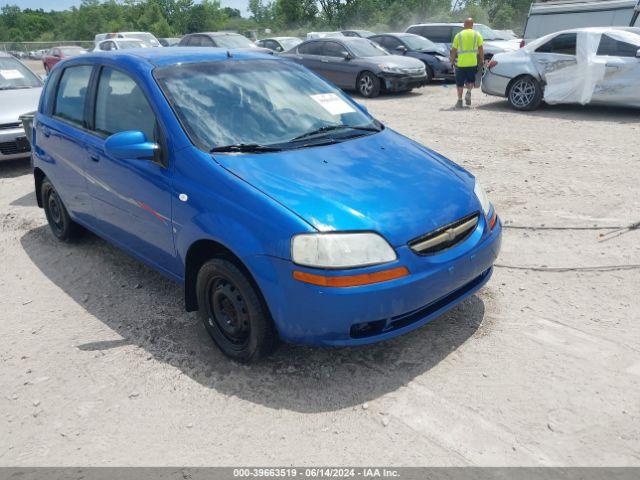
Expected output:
(430, 74)
(525, 93)
(233, 313)
(368, 85)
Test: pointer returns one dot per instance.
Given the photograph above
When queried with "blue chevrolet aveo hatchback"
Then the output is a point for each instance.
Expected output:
(282, 206)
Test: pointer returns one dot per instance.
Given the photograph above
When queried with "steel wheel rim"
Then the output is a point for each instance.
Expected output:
(55, 210)
(227, 311)
(366, 85)
(522, 93)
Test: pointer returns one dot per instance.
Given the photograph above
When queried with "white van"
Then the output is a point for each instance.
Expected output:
(550, 17)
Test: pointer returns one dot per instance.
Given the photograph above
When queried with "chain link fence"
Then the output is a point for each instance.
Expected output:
(35, 50)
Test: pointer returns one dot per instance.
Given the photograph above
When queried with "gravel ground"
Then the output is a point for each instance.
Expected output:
(100, 365)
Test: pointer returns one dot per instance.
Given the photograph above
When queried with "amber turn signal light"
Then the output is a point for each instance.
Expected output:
(351, 280)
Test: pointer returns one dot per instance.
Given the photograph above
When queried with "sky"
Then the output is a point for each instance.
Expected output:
(64, 4)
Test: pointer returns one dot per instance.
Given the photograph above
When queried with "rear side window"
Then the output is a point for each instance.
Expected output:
(121, 106)
(72, 93)
(615, 48)
(564, 44)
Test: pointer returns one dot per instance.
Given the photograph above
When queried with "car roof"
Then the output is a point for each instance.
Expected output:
(171, 56)
(216, 34)
(442, 24)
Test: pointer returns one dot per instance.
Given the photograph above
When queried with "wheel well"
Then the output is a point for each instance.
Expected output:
(199, 253)
(38, 176)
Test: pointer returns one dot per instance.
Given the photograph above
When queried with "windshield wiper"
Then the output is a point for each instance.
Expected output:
(330, 128)
(245, 147)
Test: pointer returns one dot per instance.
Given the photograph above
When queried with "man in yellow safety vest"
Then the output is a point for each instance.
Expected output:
(467, 49)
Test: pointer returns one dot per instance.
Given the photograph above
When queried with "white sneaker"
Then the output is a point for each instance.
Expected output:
(467, 98)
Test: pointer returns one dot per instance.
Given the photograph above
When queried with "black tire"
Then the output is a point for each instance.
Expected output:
(368, 85)
(62, 227)
(524, 93)
(430, 73)
(233, 312)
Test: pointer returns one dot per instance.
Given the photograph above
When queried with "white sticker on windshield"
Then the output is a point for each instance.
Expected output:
(11, 74)
(333, 104)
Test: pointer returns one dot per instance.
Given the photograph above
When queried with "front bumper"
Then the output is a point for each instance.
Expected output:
(323, 316)
(402, 82)
(13, 143)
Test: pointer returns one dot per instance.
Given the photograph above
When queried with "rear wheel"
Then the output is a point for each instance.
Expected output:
(525, 93)
(233, 312)
(368, 85)
(62, 227)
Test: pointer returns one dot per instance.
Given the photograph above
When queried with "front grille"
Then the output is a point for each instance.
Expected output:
(20, 145)
(10, 126)
(445, 237)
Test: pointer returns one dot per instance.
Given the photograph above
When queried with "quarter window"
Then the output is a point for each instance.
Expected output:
(72, 93)
(615, 48)
(121, 106)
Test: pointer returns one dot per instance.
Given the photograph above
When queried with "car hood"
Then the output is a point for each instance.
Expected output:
(382, 182)
(16, 102)
(395, 61)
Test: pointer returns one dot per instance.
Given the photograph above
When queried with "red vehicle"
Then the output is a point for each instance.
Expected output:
(56, 54)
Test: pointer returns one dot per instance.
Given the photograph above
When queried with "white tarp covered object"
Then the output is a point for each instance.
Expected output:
(591, 77)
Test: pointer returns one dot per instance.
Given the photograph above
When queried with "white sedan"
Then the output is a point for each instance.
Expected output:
(585, 65)
(119, 44)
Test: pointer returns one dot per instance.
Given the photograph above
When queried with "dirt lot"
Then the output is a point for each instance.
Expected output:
(100, 365)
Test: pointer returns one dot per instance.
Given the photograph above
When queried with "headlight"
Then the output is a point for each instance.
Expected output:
(482, 196)
(391, 69)
(442, 58)
(340, 250)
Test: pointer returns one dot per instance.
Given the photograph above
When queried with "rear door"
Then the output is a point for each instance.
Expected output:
(310, 55)
(619, 85)
(558, 54)
(131, 198)
(61, 137)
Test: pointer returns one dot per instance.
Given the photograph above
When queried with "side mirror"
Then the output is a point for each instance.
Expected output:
(347, 56)
(279, 49)
(401, 48)
(638, 53)
(130, 145)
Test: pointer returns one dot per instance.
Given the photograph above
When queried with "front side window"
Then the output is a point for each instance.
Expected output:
(616, 48)
(233, 41)
(250, 102)
(564, 44)
(121, 106)
(72, 93)
(334, 49)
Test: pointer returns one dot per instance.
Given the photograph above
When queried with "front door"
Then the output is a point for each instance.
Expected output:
(131, 198)
(335, 67)
(619, 51)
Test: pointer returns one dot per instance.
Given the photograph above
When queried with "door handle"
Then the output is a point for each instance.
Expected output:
(94, 158)
(46, 132)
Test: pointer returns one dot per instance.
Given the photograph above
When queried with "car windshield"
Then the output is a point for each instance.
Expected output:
(289, 43)
(147, 38)
(486, 32)
(416, 42)
(361, 47)
(126, 44)
(15, 75)
(233, 41)
(258, 102)
(72, 51)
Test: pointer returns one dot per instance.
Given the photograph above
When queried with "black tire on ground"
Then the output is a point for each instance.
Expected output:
(430, 73)
(524, 93)
(368, 85)
(62, 227)
(233, 312)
